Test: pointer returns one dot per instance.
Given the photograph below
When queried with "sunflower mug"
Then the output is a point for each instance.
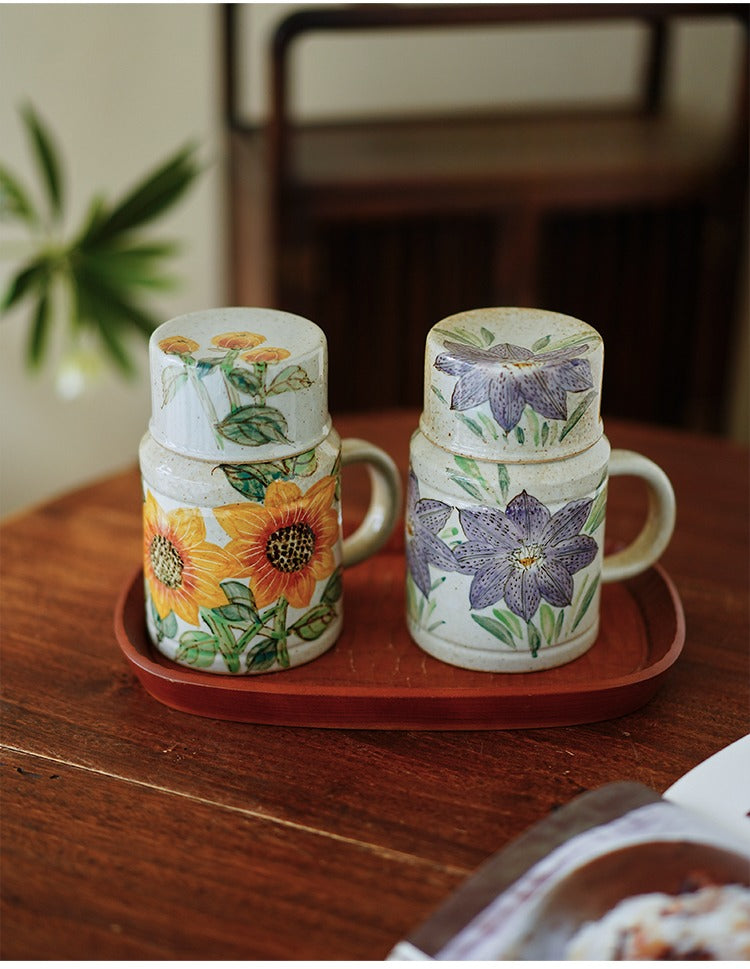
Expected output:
(507, 493)
(241, 471)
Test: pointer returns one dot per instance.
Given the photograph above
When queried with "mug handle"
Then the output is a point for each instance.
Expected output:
(385, 500)
(654, 537)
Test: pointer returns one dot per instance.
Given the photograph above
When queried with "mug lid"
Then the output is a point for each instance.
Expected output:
(239, 384)
(513, 384)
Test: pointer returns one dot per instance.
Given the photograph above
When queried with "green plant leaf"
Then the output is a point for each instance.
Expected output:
(125, 269)
(110, 298)
(28, 277)
(148, 199)
(96, 314)
(541, 344)
(46, 157)
(15, 202)
(39, 331)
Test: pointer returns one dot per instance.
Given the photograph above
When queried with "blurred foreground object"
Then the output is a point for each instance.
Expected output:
(93, 280)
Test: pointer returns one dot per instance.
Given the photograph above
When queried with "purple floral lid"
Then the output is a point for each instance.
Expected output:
(513, 384)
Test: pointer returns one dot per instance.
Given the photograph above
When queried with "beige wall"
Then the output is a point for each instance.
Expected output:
(123, 85)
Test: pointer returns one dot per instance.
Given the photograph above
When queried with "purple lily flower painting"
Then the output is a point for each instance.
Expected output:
(425, 517)
(524, 554)
(510, 377)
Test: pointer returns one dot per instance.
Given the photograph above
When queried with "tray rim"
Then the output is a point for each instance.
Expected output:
(277, 684)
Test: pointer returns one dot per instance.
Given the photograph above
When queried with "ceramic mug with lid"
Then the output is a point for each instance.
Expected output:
(507, 493)
(241, 470)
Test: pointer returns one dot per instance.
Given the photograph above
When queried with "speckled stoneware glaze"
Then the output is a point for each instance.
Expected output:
(241, 470)
(507, 495)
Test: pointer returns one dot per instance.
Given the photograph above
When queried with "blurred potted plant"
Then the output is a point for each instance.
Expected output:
(93, 281)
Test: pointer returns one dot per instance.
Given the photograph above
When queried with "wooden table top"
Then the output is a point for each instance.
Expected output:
(133, 831)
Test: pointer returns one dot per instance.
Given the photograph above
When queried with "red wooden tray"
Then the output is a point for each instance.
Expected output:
(377, 677)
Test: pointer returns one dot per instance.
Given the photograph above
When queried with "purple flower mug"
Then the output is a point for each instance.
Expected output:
(507, 493)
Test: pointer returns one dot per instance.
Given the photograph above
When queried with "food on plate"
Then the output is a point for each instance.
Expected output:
(710, 923)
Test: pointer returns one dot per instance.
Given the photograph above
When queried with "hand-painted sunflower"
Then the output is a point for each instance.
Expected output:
(286, 545)
(182, 569)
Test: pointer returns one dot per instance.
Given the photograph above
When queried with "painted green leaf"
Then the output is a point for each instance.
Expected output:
(197, 648)
(262, 656)
(541, 344)
(547, 619)
(468, 466)
(238, 592)
(244, 381)
(332, 591)
(495, 628)
(585, 603)
(545, 433)
(291, 378)
(489, 426)
(471, 424)
(534, 424)
(597, 513)
(172, 378)
(252, 480)
(282, 654)
(238, 614)
(559, 623)
(487, 336)
(305, 464)
(535, 638)
(520, 436)
(314, 622)
(577, 414)
(169, 626)
(503, 479)
(510, 620)
(468, 486)
(254, 426)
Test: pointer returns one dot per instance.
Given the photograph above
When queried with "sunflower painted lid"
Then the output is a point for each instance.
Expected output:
(239, 384)
(512, 384)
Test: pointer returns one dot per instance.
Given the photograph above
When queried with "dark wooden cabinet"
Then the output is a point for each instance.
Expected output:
(632, 219)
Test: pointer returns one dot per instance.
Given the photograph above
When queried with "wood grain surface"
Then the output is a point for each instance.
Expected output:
(131, 830)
